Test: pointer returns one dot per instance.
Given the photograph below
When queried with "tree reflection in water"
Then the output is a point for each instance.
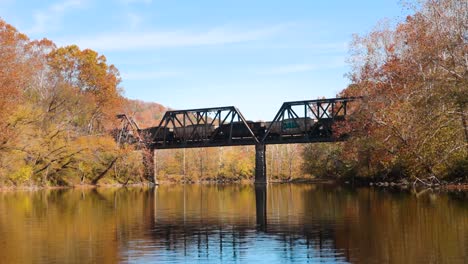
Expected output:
(233, 223)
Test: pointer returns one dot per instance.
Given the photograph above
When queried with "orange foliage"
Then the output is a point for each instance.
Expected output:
(90, 73)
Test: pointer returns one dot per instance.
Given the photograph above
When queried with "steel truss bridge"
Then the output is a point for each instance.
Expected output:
(296, 122)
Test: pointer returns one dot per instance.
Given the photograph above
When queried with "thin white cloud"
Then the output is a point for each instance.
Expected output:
(51, 17)
(123, 41)
(148, 75)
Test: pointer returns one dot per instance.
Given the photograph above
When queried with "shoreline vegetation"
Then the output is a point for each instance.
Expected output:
(58, 125)
(357, 183)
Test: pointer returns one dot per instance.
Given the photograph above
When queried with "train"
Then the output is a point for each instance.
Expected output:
(238, 130)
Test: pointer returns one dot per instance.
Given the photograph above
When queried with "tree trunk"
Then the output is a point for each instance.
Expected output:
(102, 174)
(465, 126)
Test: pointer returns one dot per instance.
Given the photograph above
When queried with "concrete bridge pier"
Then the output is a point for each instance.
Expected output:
(151, 169)
(260, 164)
(154, 159)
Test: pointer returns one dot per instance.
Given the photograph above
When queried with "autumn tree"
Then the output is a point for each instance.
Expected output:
(412, 121)
(13, 75)
(89, 72)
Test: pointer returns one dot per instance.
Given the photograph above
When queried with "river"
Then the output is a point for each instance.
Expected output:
(282, 223)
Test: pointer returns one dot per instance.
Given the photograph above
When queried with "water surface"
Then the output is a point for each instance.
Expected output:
(233, 224)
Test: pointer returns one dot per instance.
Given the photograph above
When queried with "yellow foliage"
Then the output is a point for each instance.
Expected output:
(22, 175)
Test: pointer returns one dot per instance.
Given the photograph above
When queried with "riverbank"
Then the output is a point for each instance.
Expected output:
(78, 186)
(352, 183)
(430, 183)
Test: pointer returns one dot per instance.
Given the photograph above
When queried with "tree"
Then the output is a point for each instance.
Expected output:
(13, 75)
(89, 72)
(414, 78)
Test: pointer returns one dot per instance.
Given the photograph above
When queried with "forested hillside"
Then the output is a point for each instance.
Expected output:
(146, 114)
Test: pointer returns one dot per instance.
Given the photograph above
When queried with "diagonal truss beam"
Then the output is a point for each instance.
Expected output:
(200, 126)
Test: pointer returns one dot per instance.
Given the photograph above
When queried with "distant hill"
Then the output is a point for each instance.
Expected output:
(146, 114)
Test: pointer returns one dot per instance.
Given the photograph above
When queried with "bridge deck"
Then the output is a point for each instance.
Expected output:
(239, 142)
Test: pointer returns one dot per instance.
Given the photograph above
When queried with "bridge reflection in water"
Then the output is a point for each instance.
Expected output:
(231, 223)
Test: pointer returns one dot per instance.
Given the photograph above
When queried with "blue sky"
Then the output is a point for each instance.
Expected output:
(192, 54)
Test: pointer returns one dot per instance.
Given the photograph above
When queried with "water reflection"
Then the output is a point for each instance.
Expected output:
(236, 223)
(261, 206)
(229, 223)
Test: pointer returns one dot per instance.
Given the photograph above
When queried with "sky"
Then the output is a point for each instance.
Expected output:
(254, 55)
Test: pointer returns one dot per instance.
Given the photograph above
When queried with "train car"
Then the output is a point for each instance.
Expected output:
(258, 128)
(239, 130)
(193, 132)
(152, 133)
(290, 126)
